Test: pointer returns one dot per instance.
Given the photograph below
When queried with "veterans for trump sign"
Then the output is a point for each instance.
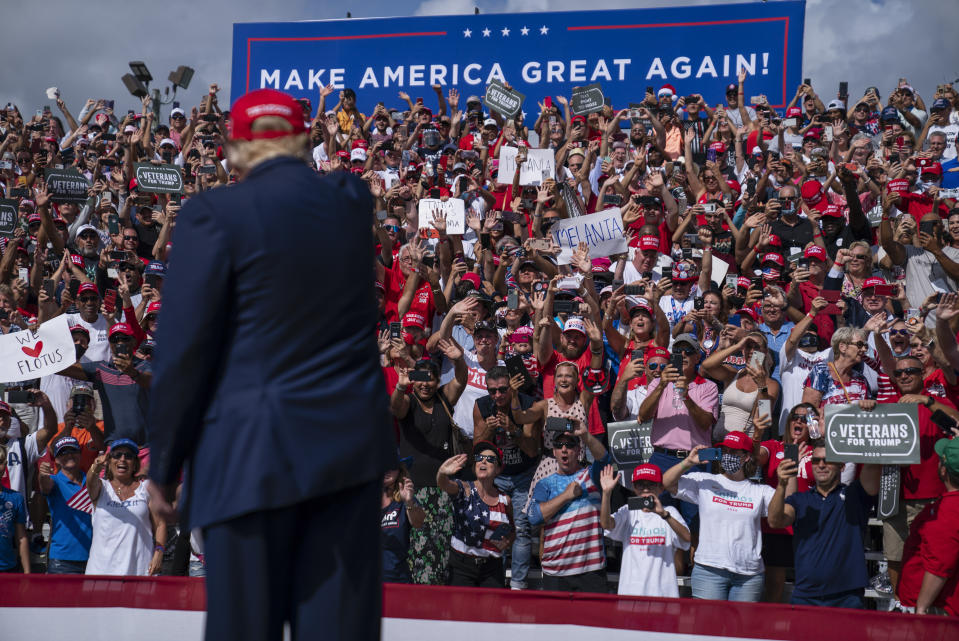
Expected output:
(158, 178)
(694, 48)
(888, 434)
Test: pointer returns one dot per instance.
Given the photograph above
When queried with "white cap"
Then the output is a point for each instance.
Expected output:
(489, 121)
(358, 154)
(168, 141)
(835, 104)
(177, 110)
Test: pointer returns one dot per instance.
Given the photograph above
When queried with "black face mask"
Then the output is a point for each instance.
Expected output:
(81, 350)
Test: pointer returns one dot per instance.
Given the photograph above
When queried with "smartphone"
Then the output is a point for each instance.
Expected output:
(710, 454)
(790, 122)
(944, 421)
(49, 287)
(843, 89)
(485, 241)
(23, 274)
(74, 288)
(79, 403)
(791, 451)
(827, 135)
(20, 396)
(710, 208)
(912, 313)
(396, 330)
(885, 290)
(118, 256)
(123, 349)
(113, 224)
(513, 217)
(732, 282)
(642, 502)
(757, 359)
(209, 117)
(637, 355)
(634, 290)
(512, 299)
(420, 375)
(755, 100)
(711, 155)
(565, 307)
(502, 531)
(764, 407)
(559, 425)
(514, 366)
(649, 89)
(807, 82)
(207, 169)
(831, 295)
(693, 239)
(928, 227)
(676, 360)
(539, 244)
(110, 300)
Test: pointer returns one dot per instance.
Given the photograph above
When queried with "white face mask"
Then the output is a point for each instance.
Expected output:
(924, 185)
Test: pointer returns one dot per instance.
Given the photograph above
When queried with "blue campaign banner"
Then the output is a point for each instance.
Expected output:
(694, 48)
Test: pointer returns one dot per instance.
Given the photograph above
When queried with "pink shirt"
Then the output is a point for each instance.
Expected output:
(673, 427)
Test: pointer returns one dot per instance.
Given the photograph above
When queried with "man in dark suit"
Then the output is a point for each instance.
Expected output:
(267, 393)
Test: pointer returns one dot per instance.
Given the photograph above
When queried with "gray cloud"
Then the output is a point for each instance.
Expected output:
(83, 48)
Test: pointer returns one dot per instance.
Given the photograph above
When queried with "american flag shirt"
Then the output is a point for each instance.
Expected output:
(573, 538)
(474, 521)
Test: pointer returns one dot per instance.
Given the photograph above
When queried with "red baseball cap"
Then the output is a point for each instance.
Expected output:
(832, 211)
(793, 111)
(581, 119)
(932, 168)
(152, 308)
(648, 242)
(88, 287)
(743, 282)
(718, 147)
(738, 441)
(654, 351)
(121, 328)
(815, 251)
(872, 281)
(775, 240)
(900, 186)
(773, 258)
(412, 319)
(745, 311)
(640, 304)
(260, 103)
(647, 472)
(79, 328)
(472, 277)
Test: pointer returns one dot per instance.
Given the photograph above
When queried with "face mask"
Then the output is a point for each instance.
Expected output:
(731, 463)
(80, 350)
(926, 184)
(771, 273)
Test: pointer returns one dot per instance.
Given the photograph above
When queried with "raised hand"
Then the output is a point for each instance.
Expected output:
(609, 478)
(407, 490)
(450, 348)
(453, 464)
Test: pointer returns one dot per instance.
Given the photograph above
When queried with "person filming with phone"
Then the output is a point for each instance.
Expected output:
(829, 522)
(649, 532)
(729, 564)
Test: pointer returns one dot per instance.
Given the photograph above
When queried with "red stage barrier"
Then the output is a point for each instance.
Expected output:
(492, 610)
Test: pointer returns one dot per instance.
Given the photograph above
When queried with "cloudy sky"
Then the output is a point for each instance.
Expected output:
(83, 48)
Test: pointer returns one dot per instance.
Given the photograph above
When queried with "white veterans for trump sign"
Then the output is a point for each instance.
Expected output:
(888, 434)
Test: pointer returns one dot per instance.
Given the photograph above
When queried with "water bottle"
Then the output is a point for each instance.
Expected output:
(679, 395)
(813, 426)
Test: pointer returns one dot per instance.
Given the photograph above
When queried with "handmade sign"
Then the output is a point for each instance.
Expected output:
(540, 166)
(455, 212)
(602, 231)
(28, 355)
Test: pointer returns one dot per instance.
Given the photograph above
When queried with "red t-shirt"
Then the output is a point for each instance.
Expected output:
(548, 370)
(393, 282)
(933, 546)
(803, 481)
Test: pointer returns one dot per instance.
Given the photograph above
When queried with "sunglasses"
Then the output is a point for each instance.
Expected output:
(87, 236)
(123, 454)
(393, 228)
(859, 256)
(120, 339)
(88, 299)
(899, 332)
(489, 458)
(497, 390)
(816, 460)
(655, 366)
(685, 350)
(130, 238)
(908, 371)
(565, 445)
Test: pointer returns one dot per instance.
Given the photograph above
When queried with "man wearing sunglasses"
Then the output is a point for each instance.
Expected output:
(829, 521)
(566, 503)
(920, 483)
(497, 419)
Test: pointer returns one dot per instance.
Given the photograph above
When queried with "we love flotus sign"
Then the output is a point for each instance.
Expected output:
(26, 355)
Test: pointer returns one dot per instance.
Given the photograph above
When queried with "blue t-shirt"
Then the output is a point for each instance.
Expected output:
(72, 530)
(125, 402)
(950, 174)
(395, 537)
(827, 540)
(12, 511)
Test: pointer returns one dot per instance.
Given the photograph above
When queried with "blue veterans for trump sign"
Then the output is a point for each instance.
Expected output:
(695, 49)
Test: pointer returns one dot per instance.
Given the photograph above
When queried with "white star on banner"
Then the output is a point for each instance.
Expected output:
(524, 31)
(467, 33)
(486, 33)
(544, 30)
(505, 31)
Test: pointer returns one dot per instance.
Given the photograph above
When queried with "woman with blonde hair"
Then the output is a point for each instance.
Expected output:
(401, 511)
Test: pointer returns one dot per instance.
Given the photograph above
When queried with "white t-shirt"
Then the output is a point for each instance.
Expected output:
(99, 348)
(793, 373)
(635, 398)
(925, 277)
(676, 310)
(475, 388)
(649, 542)
(15, 464)
(729, 518)
(122, 533)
